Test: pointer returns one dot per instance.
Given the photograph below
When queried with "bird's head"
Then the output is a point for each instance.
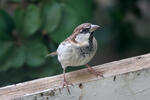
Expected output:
(84, 32)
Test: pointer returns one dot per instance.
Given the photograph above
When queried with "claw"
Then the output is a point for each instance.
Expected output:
(66, 84)
(97, 73)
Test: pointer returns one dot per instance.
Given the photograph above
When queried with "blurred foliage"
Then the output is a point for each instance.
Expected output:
(126, 30)
(29, 29)
(32, 30)
(126, 16)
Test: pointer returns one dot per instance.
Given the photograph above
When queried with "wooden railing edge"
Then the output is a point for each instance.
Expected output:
(132, 64)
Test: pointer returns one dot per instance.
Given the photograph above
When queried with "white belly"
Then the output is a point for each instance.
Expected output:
(69, 55)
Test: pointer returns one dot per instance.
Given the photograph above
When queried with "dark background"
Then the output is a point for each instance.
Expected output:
(30, 29)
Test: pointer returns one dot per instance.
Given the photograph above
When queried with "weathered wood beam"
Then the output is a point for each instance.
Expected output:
(48, 84)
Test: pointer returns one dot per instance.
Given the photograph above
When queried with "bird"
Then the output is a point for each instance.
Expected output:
(78, 49)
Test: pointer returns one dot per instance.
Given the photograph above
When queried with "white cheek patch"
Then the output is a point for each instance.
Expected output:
(82, 37)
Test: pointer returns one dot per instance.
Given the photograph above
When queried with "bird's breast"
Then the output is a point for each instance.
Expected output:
(70, 55)
(86, 53)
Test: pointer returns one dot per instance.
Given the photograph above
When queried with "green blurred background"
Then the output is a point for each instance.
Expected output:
(30, 29)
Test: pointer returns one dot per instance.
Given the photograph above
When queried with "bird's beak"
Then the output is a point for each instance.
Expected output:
(93, 28)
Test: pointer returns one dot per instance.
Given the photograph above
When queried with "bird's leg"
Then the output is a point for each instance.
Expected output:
(65, 82)
(97, 73)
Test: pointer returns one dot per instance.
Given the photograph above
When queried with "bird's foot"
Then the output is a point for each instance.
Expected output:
(66, 84)
(97, 73)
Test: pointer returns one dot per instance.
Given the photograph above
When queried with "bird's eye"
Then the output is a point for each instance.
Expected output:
(85, 30)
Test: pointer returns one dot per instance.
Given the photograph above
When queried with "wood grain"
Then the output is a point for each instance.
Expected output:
(75, 77)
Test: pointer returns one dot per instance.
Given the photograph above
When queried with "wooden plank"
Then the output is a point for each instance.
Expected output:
(47, 84)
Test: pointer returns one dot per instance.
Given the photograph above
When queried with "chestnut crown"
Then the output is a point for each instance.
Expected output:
(83, 32)
(85, 28)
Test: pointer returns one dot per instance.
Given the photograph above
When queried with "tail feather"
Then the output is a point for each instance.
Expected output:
(51, 54)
